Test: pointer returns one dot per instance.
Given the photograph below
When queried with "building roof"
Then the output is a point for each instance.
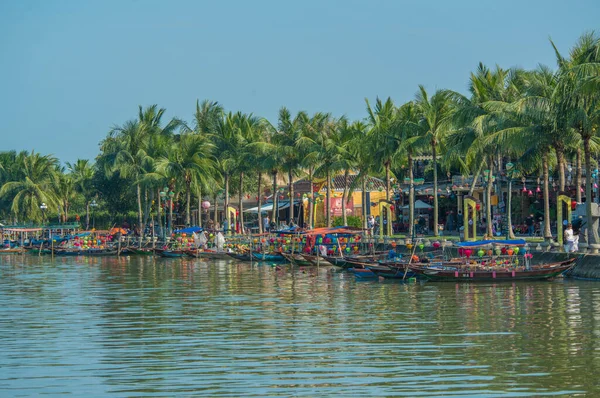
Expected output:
(337, 182)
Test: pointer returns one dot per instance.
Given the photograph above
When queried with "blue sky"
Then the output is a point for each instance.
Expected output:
(71, 69)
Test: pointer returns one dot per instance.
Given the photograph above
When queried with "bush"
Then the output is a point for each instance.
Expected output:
(353, 221)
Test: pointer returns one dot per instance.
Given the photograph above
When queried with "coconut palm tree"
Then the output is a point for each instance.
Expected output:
(82, 174)
(286, 137)
(579, 102)
(308, 146)
(189, 159)
(31, 185)
(382, 120)
(436, 117)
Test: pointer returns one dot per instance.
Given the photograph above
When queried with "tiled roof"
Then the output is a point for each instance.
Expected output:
(373, 184)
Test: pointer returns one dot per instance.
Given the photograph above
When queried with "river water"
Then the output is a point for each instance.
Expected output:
(143, 326)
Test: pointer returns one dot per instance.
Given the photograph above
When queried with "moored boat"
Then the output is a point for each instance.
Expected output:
(274, 257)
(172, 253)
(477, 273)
(207, 254)
(297, 259)
(240, 256)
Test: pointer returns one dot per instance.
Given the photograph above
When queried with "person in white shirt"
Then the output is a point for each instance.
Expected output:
(569, 238)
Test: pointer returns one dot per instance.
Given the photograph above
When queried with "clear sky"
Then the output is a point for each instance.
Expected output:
(71, 69)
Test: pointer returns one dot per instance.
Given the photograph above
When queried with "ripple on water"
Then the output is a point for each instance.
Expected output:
(153, 327)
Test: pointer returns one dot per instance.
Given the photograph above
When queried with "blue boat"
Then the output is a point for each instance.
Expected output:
(172, 253)
(274, 257)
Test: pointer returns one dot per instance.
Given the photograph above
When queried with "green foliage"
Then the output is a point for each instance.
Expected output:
(353, 221)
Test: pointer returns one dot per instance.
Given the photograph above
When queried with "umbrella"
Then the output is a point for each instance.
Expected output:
(117, 230)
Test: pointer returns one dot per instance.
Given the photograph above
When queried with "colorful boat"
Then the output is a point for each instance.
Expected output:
(297, 259)
(240, 256)
(172, 253)
(477, 273)
(207, 254)
(273, 257)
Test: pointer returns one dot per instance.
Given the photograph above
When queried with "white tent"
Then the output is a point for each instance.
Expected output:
(419, 205)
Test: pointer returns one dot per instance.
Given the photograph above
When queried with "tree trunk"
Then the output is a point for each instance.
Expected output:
(411, 198)
(328, 199)
(578, 176)
(511, 233)
(592, 232)
(241, 204)
(188, 204)
(546, 175)
(199, 205)
(226, 204)
(160, 216)
(435, 188)
(344, 195)
(260, 221)
(170, 202)
(364, 202)
(476, 177)
(216, 212)
(275, 211)
(560, 159)
(146, 211)
(139, 203)
(311, 202)
(291, 197)
(87, 215)
(387, 181)
(488, 199)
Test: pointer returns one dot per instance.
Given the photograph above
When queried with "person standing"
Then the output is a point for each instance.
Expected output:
(529, 221)
(225, 226)
(266, 223)
(569, 238)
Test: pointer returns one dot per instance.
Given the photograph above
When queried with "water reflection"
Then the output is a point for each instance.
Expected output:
(140, 326)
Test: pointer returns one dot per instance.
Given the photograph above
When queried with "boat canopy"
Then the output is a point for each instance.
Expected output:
(189, 230)
(502, 242)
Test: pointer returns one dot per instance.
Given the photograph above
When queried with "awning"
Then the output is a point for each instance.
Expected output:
(282, 204)
(189, 230)
(419, 205)
(22, 229)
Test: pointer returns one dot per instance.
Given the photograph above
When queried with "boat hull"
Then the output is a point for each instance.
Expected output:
(459, 274)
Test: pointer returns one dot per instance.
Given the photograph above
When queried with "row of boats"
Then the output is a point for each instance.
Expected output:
(490, 265)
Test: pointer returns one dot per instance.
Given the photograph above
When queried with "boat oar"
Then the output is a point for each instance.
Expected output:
(409, 262)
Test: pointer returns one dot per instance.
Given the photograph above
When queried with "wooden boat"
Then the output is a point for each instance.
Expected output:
(207, 254)
(240, 256)
(144, 251)
(172, 253)
(469, 273)
(297, 259)
(338, 261)
(316, 260)
(12, 250)
(85, 252)
(274, 257)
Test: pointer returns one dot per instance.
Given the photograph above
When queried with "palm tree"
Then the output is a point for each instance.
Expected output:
(382, 120)
(436, 116)
(189, 159)
(31, 185)
(579, 101)
(82, 173)
(308, 146)
(65, 191)
(131, 147)
(411, 131)
(286, 137)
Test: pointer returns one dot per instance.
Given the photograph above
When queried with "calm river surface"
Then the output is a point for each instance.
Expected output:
(142, 326)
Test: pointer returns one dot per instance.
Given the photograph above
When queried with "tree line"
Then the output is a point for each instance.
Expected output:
(539, 121)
